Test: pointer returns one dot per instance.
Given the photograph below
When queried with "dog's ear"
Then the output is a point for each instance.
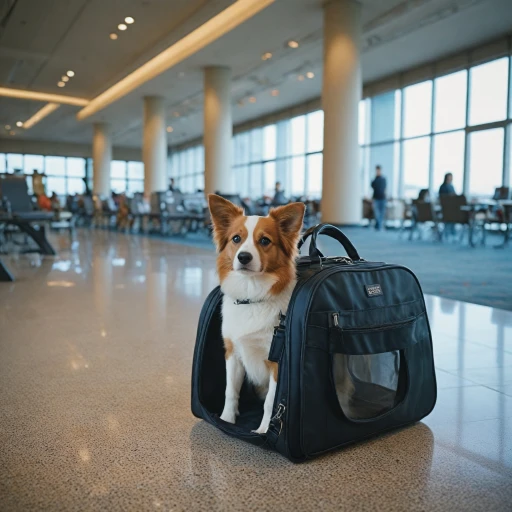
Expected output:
(289, 218)
(223, 213)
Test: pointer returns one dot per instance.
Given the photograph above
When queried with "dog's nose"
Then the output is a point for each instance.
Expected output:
(244, 258)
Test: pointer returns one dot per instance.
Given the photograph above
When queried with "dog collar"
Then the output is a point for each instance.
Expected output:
(239, 302)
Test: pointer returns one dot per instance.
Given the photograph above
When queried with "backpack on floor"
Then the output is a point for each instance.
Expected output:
(354, 353)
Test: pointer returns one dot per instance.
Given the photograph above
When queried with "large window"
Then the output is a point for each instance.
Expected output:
(382, 118)
(416, 166)
(417, 109)
(417, 134)
(449, 157)
(63, 175)
(315, 132)
(118, 176)
(485, 161)
(456, 139)
(14, 162)
(33, 163)
(450, 104)
(288, 152)
(67, 175)
(187, 169)
(489, 90)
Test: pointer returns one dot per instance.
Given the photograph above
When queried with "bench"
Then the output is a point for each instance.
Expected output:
(17, 210)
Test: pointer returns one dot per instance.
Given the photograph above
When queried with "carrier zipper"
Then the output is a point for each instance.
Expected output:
(335, 321)
(279, 414)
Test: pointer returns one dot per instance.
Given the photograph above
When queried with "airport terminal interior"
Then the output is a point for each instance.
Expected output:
(389, 119)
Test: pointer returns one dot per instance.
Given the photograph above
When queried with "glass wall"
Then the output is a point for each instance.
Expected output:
(289, 151)
(65, 175)
(187, 169)
(459, 123)
(126, 177)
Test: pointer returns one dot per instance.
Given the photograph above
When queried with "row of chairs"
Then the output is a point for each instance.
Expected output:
(455, 210)
(167, 213)
(20, 224)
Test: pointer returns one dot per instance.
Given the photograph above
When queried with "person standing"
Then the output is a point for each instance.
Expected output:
(279, 197)
(173, 187)
(447, 187)
(379, 198)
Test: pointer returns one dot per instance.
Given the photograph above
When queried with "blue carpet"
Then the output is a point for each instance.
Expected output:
(482, 275)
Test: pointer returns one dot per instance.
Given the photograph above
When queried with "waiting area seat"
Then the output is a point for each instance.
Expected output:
(423, 214)
(17, 211)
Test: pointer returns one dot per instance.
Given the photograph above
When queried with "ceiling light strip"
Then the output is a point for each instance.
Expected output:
(204, 35)
(42, 96)
(40, 114)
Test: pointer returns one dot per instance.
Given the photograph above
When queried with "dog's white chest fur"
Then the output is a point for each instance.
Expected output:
(250, 326)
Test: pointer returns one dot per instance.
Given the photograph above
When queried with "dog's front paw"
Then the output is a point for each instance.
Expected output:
(262, 428)
(228, 416)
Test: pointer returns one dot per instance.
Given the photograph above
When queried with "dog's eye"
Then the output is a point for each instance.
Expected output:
(264, 241)
(237, 239)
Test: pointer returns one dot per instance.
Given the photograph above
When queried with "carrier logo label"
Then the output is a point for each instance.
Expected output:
(373, 290)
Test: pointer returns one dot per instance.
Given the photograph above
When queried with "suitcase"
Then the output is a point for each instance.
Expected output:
(354, 351)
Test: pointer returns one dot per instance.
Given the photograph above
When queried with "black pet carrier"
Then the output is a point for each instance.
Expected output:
(354, 352)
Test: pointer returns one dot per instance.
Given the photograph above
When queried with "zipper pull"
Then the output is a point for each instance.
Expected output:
(335, 319)
(280, 411)
(281, 408)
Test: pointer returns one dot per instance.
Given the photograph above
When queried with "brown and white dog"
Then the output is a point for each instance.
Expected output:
(256, 267)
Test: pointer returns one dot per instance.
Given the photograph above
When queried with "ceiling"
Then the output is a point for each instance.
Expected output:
(41, 40)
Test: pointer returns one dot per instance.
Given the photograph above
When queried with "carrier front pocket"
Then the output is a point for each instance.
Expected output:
(369, 367)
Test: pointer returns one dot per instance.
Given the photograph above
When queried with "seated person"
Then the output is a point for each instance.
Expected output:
(424, 195)
(55, 202)
(44, 203)
(124, 219)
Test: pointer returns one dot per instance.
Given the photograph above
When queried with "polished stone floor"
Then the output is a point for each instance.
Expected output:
(95, 360)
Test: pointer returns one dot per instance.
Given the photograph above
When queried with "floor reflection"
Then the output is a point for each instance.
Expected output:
(95, 358)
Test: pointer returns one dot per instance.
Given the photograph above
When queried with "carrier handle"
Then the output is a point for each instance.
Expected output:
(333, 232)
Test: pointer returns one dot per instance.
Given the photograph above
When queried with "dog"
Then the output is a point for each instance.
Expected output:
(257, 272)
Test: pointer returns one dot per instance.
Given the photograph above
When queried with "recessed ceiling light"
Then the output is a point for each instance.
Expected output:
(65, 78)
(266, 56)
(19, 123)
(7, 126)
(252, 99)
(70, 73)
(129, 20)
(12, 132)
(293, 44)
(310, 74)
(61, 84)
(170, 129)
(176, 114)
(275, 92)
(113, 36)
(300, 78)
(122, 26)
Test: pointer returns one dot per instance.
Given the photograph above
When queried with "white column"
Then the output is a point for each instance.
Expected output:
(154, 145)
(101, 159)
(218, 130)
(341, 92)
